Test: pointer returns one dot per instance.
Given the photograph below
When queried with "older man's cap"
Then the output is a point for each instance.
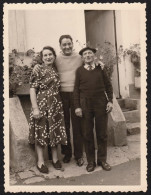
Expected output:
(87, 48)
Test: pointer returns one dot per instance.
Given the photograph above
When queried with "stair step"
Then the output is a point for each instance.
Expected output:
(132, 116)
(133, 128)
(133, 104)
(129, 103)
(134, 92)
(126, 109)
(121, 103)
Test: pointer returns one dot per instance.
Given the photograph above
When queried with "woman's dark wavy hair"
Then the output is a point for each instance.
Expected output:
(49, 48)
(52, 50)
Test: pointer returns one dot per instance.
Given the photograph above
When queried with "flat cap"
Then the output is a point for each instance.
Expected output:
(87, 48)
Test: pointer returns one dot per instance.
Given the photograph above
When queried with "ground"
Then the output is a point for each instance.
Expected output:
(125, 162)
(126, 174)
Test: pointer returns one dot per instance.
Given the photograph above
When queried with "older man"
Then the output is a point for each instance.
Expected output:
(67, 63)
(93, 101)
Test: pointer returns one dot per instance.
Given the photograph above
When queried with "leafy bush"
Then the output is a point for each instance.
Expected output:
(107, 55)
(134, 52)
(20, 68)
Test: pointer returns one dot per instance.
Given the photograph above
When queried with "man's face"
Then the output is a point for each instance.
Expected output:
(88, 56)
(66, 46)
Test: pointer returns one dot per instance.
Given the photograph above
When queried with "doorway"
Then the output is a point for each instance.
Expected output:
(100, 27)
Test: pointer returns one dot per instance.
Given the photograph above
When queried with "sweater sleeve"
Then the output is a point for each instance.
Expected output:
(108, 86)
(76, 92)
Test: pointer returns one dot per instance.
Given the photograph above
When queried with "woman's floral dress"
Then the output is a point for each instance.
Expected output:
(50, 128)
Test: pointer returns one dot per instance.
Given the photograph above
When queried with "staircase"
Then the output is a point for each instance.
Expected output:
(131, 110)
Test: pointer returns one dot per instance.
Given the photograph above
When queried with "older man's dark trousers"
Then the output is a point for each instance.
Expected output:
(94, 109)
(69, 111)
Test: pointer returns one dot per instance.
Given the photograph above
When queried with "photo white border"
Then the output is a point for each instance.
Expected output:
(76, 6)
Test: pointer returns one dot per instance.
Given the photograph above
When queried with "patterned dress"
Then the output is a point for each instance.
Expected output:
(50, 128)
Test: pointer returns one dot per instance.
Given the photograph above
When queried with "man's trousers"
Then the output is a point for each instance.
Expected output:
(69, 112)
(94, 110)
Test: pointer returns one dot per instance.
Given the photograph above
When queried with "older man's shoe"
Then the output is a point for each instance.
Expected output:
(104, 165)
(80, 162)
(91, 166)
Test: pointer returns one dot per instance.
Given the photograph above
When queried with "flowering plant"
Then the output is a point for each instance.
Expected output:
(20, 68)
(134, 52)
(106, 57)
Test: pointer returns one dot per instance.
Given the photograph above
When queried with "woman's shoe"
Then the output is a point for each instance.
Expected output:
(57, 165)
(43, 169)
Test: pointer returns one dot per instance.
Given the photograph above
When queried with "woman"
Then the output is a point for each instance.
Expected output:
(46, 119)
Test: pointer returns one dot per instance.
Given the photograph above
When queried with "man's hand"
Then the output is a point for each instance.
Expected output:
(36, 69)
(36, 113)
(78, 112)
(109, 107)
(101, 64)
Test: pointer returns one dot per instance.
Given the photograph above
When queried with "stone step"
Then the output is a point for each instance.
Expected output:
(121, 102)
(134, 92)
(117, 131)
(129, 103)
(133, 128)
(126, 109)
(132, 116)
(22, 155)
(133, 104)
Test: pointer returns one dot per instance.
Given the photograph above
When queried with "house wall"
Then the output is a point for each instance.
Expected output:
(17, 30)
(44, 27)
(35, 29)
(128, 33)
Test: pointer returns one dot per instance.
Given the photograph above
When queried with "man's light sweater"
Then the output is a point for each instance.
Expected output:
(67, 66)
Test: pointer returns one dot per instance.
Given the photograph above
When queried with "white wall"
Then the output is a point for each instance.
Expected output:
(37, 28)
(16, 28)
(128, 33)
(45, 27)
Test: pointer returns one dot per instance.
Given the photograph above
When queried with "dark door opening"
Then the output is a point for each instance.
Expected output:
(100, 27)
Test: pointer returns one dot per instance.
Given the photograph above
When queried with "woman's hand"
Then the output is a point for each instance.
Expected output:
(36, 69)
(36, 113)
(109, 107)
(78, 112)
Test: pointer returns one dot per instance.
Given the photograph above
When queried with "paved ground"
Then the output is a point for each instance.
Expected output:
(74, 175)
(126, 174)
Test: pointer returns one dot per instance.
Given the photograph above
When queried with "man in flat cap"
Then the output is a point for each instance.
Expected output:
(93, 96)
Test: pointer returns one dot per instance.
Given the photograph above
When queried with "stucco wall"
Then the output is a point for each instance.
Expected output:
(128, 33)
(44, 27)
(16, 30)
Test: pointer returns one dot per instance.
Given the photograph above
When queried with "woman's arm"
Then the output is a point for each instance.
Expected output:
(33, 98)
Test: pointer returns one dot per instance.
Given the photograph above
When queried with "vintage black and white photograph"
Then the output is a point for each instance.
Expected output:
(75, 97)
